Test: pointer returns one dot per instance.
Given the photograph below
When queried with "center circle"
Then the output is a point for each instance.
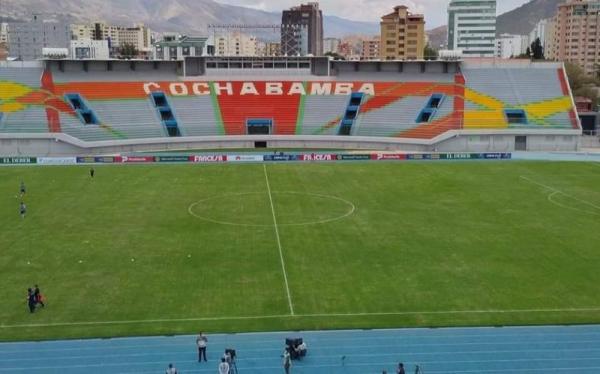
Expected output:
(253, 209)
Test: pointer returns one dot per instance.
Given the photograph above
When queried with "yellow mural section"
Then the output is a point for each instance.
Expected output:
(9, 92)
(491, 115)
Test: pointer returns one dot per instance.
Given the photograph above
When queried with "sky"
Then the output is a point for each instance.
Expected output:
(371, 10)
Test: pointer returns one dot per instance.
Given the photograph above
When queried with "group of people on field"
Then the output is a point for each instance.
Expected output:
(34, 298)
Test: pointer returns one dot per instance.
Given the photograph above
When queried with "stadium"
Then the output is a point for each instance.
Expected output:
(359, 205)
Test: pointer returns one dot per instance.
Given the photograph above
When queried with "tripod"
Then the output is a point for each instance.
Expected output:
(232, 366)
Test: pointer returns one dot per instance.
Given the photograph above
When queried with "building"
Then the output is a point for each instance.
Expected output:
(575, 34)
(3, 32)
(549, 40)
(3, 52)
(236, 44)
(139, 36)
(302, 31)
(331, 45)
(177, 47)
(539, 31)
(509, 46)
(89, 49)
(28, 39)
(472, 27)
(272, 49)
(402, 35)
(370, 49)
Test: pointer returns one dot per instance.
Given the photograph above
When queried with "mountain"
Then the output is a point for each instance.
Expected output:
(524, 18)
(182, 16)
(438, 37)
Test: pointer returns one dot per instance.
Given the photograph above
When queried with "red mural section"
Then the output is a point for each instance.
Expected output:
(565, 90)
(240, 102)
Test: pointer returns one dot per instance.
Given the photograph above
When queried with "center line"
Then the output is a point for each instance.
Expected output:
(285, 278)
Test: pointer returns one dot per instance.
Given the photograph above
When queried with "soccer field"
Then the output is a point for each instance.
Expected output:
(143, 250)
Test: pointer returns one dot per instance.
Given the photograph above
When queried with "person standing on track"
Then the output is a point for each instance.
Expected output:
(223, 366)
(201, 342)
(171, 369)
(287, 361)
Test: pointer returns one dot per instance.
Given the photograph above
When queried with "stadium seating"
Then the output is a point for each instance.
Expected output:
(477, 97)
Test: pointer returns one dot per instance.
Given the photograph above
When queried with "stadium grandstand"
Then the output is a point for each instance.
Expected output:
(98, 107)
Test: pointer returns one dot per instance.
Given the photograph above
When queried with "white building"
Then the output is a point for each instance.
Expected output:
(87, 49)
(331, 45)
(472, 27)
(139, 35)
(508, 45)
(236, 44)
(544, 31)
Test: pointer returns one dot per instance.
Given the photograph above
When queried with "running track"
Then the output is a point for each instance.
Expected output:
(556, 349)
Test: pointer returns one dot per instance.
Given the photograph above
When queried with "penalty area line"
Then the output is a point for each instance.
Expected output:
(285, 277)
(310, 315)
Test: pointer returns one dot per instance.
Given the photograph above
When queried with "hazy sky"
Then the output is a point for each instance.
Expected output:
(372, 10)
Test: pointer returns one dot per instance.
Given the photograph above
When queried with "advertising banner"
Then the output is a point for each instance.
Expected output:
(208, 158)
(318, 157)
(497, 156)
(245, 158)
(388, 156)
(458, 156)
(364, 157)
(280, 157)
(137, 159)
(57, 160)
(172, 158)
(17, 160)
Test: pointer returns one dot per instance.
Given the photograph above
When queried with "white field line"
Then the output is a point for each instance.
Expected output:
(285, 278)
(556, 191)
(315, 315)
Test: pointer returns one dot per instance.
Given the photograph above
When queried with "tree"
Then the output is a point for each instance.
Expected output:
(128, 51)
(430, 53)
(537, 50)
(581, 84)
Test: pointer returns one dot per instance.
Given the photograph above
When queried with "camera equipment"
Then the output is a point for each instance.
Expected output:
(231, 353)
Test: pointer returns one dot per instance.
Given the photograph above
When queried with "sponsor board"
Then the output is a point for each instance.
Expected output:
(172, 158)
(137, 159)
(364, 157)
(318, 157)
(457, 156)
(17, 160)
(280, 157)
(497, 156)
(57, 160)
(245, 158)
(388, 156)
(208, 158)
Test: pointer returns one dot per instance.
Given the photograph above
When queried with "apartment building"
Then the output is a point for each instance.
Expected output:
(402, 35)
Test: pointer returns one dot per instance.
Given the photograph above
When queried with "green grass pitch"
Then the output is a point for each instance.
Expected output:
(169, 249)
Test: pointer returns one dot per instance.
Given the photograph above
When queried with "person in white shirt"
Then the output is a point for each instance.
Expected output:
(223, 367)
(171, 370)
(201, 342)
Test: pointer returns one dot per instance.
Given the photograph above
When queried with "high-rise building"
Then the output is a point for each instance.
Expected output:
(402, 35)
(575, 34)
(370, 49)
(3, 32)
(331, 45)
(302, 30)
(27, 39)
(236, 44)
(472, 27)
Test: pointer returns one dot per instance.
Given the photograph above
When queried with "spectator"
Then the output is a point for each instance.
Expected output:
(171, 369)
(201, 341)
(31, 300)
(39, 298)
(223, 366)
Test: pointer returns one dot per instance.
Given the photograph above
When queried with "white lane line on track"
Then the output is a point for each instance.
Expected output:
(285, 277)
(317, 315)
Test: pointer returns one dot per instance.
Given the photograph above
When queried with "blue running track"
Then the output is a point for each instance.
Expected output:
(556, 349)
